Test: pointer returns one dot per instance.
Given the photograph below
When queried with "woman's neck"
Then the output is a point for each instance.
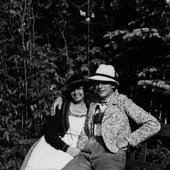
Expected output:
(78, 107)
(78, 103)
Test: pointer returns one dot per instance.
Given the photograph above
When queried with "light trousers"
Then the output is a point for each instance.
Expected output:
(95, 156)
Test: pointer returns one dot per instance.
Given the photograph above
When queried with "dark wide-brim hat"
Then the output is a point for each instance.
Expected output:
(74, 81)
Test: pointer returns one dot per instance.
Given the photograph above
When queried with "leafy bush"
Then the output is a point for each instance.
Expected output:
(43, 42)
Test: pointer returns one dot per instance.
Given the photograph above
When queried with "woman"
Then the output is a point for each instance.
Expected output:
(58, 145)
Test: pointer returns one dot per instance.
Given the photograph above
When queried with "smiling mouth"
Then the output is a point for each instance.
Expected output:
(77, 96)
(101, 91)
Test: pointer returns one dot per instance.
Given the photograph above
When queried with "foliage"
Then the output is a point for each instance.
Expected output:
(158, 154)
(43, 42)
(11, 157)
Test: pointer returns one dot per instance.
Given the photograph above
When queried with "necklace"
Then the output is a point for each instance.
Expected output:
(78, 110)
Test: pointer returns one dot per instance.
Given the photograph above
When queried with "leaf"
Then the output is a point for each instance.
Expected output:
(2, 129)
(95, 50)
(97, 61)
(12, 12)
(48, 6)
(6, 135)
(53, 58)
(84, 67)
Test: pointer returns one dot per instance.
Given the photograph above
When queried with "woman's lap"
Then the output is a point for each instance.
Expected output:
(44, 156)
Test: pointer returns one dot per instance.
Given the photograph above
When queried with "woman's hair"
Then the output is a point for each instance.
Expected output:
(67, 93)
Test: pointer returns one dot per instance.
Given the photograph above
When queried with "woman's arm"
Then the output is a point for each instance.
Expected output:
(53, 132)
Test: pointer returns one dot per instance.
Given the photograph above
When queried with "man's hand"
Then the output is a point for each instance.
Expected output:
(57, 103)
(122, 144)
(73, 151)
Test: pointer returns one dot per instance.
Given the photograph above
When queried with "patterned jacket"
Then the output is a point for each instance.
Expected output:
(116, 124)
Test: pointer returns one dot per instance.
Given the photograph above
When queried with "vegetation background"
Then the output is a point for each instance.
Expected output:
(42, 42)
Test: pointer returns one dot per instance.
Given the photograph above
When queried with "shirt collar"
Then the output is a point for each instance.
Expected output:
(105, 101)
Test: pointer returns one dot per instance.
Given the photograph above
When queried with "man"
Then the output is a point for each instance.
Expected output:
(105, 139)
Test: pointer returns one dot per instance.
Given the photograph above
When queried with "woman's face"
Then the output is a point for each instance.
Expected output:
(77, 94)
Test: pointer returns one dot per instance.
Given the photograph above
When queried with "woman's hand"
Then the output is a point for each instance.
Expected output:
(57, 103)
(73, 151)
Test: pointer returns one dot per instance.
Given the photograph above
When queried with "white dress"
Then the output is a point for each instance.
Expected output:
(45, 157)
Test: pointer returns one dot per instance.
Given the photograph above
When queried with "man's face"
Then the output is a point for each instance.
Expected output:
(104, 89)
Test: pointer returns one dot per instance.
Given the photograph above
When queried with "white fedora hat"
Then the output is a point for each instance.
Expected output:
(105, 73)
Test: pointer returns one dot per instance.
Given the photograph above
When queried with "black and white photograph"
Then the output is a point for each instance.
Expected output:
(85, 85)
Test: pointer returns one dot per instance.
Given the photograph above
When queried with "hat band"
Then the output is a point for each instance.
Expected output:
(104, 75)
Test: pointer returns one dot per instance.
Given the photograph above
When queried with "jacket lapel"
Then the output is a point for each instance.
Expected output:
(109, 108)
(108, 111)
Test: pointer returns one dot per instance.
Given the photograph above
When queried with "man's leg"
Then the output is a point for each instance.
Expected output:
(109, 161)
(80, 162)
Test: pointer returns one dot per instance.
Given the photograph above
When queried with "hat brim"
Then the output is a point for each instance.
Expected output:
(75, 84)
(102, 78)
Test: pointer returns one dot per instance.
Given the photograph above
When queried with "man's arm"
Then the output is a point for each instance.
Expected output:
(149, 125)
(57, 104)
